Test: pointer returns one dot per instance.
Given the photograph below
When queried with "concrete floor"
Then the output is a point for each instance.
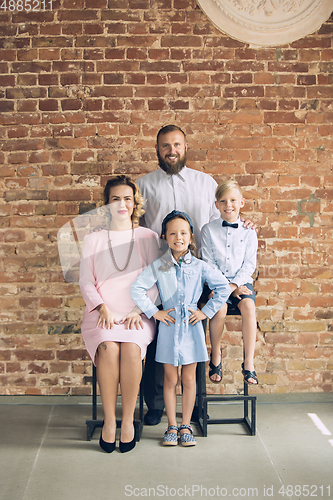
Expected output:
(45, 456)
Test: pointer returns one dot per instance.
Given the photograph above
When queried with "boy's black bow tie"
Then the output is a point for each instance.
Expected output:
(225, 223)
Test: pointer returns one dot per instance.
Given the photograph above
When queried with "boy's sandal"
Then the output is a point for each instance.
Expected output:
(215, 370)
(187, 438)
(247, 374)
(171, 438)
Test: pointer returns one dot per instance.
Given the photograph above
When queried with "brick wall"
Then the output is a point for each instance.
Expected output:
(84, 89)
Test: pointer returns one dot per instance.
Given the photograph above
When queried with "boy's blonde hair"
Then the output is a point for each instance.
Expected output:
(226, 186)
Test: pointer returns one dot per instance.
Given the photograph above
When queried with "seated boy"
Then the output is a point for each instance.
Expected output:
(226, 244)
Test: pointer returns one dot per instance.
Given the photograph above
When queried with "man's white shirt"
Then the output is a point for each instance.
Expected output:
(190, 191)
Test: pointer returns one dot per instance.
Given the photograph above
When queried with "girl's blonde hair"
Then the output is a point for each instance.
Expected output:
(226, 186)
(123, 180)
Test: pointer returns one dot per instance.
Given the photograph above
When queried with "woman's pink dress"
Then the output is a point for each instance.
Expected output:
(100, 282)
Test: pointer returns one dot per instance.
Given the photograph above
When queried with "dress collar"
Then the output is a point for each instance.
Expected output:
(187, 258)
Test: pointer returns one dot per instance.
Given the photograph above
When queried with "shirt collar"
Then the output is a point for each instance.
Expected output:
(181, 175)
(187, 258)
(235, 222)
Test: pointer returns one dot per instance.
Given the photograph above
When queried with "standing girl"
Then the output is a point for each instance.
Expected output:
(180, 277)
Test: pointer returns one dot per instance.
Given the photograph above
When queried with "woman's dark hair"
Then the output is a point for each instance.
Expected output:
(123, 180)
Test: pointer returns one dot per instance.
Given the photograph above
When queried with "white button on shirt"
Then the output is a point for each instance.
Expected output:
(190, 191)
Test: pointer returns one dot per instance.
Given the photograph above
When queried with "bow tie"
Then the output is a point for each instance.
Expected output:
(227, 224)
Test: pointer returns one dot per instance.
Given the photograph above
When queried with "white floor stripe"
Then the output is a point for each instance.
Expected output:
(37, 455)
(319, 424)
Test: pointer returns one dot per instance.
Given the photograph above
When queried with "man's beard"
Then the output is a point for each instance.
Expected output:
(172, 168)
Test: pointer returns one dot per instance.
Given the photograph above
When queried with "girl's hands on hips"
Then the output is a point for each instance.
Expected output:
(134, 321)
(196, 316)
(241, 290)
(164, 317)
(106, 317)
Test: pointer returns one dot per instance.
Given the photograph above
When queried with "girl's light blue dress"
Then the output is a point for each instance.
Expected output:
(180, 287)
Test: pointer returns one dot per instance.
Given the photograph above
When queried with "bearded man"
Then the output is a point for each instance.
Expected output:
(172, 187)
(175, 187)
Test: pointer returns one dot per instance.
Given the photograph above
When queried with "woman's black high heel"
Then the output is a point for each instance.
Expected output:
(107, 447)
(125, 447)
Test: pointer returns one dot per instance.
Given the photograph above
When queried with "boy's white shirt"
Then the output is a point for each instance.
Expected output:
(232, 250)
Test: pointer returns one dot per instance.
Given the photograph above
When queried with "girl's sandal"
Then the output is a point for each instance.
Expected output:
(187, 438)
(171, 438)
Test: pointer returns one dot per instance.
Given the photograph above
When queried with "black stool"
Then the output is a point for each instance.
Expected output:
(204, 399)
(92, 424)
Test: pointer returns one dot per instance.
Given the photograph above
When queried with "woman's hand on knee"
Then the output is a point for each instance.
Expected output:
(134, 321)
(106, 318)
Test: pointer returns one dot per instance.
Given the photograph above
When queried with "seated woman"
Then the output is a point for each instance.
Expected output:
(115, 334)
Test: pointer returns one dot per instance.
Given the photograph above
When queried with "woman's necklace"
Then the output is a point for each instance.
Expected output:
(129, 252)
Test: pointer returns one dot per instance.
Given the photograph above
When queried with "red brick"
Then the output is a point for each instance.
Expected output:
(69, 79)
(311, 42)
(17, 132)
(115, 53)
(34, 17)
(50, 29)
(306, 80)
(158, 54)
(71, 104)
(7, 80)
(70, 195)
(17, 158)
(22, 145)
(78, 15)
(48, 105)
(260, 114)
(279, 117)
(26, 93)
(48, 79)
(33, 355)
(6, 107)
(72, 355)
(27, 107)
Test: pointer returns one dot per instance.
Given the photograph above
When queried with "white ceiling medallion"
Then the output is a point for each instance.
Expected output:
(266, 23)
